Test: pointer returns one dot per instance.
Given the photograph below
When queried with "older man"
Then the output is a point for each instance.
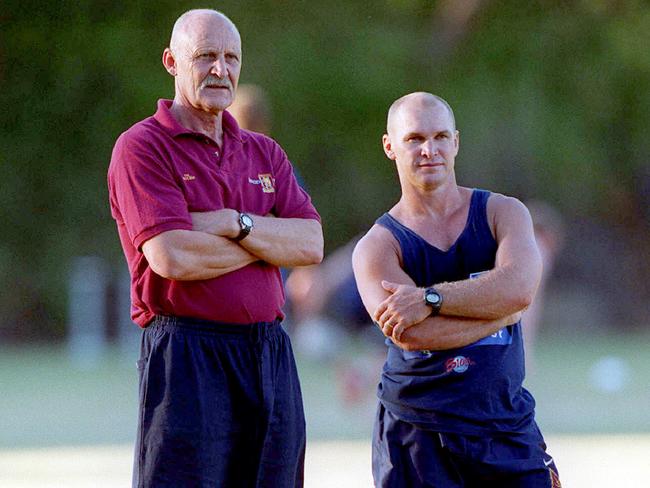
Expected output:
(442, 274)
(206, 213)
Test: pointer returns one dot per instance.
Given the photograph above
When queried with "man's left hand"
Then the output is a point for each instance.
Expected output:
(224, 222)
(404, 308)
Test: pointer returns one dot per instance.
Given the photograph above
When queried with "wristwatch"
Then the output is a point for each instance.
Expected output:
(433, 299)
(245, 225)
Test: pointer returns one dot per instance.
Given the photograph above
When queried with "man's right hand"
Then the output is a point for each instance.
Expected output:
(404, 308)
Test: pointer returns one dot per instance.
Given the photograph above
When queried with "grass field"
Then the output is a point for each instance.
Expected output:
(584, 462)
(64, 425)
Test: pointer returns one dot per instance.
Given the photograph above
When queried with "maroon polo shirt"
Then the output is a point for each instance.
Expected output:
(160, 172)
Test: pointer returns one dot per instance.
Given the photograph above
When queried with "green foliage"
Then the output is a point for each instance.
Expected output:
(551, 99)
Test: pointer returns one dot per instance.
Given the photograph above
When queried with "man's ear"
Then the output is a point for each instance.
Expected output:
(169, 61)
(388, 147)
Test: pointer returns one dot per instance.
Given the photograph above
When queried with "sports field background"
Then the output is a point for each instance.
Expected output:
(62, 425)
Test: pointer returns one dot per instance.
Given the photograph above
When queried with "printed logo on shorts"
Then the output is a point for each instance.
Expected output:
(555, 479)
(459, 364)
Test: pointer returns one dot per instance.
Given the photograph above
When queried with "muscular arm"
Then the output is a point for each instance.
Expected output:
(279, 241)
(442, 332)
(376, 259)
(192, 255)
(500, 292)
(510, 287)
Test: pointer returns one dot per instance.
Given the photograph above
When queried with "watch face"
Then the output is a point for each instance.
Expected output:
(246, 220)
(433, 298)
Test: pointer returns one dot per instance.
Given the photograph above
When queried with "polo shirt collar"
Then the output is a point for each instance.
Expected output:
(165, 118)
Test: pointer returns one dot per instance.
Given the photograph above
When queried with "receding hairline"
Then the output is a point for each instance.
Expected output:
(427, 99)
(185, 20)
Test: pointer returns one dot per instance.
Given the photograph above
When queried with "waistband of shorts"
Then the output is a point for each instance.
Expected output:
(257, 329)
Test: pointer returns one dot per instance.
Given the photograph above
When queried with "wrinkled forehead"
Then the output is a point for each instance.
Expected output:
(420, 116)
(208, 32)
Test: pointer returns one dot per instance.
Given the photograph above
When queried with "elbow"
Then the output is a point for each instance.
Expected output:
(168, 265)
(314, 253)
(524, 301)
(523, 298)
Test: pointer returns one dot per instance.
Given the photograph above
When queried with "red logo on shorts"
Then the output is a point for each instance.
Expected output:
(459, 364)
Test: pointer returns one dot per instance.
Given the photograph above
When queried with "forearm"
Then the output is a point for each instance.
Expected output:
(494, 295)
(441, 333)
(285, 242)
(191, 255)
(279, 241)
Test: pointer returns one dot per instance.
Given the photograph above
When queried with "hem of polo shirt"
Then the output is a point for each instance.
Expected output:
(150, 232)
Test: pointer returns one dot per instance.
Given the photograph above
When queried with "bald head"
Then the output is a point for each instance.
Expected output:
(419, 101)
(204, 57)
(196, 21)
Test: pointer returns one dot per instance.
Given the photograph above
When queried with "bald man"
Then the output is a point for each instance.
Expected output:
(445, 274)
(207, 213)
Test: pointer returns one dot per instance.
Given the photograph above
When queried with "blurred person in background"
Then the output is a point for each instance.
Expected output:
(207, 213)
(251, 109)
(549, 234)
(330, 323)
(445, 274)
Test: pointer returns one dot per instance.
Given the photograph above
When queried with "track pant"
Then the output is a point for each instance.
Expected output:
(220, 406)
(404, 455)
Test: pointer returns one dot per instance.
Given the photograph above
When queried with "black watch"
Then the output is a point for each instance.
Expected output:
(433, 299)
(245, 225)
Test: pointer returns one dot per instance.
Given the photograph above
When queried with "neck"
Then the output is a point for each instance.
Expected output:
(206, 123)
(440, 200)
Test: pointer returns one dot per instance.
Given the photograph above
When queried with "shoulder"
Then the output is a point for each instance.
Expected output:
(505, 211)
(257, 140)
(502, 205)
(142, 136)
(378, 243)
(263, 146)
(138, 146)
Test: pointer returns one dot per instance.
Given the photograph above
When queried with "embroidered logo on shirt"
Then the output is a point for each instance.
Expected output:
(188, 177)
(267, 182)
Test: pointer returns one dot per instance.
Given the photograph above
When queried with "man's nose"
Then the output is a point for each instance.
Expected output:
(428, 148)
(219, 67)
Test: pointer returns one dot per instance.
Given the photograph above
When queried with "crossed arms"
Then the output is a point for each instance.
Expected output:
(208, 250)
(471, 309)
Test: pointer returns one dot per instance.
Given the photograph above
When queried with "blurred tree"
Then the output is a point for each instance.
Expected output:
(551, 98)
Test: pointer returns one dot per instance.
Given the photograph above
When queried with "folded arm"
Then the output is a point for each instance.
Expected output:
(510, 287)
(284, 242)
(192, 255)
(444, 332)
(376, 259)
(507, 289)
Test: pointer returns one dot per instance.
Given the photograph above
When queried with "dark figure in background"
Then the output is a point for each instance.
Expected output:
(206, 214)
(445, 274)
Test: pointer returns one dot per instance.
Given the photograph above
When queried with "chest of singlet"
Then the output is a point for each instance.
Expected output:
(474, 389)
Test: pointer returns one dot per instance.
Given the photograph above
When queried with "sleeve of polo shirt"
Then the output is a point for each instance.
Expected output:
(143, 191)
(291, 200)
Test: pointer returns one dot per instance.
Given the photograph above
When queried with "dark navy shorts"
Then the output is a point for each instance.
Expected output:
(407, 456)
(220, 406)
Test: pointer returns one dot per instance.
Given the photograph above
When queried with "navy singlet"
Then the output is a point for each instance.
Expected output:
(476, 389)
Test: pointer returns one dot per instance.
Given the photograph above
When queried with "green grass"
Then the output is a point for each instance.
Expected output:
(45, 400)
